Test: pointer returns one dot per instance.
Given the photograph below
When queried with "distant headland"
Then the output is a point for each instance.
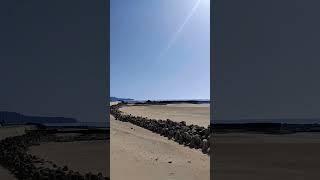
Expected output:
(113, 99)
(160, 101)
(8, 118)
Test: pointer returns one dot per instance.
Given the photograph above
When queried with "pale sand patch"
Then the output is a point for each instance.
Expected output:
(260, 156)
(198, 114)
(139, 154)
(114, 103)
(82, 156)
(11, 131)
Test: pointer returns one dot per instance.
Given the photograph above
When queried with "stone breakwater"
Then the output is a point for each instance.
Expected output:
(14, 157)
(193, 136)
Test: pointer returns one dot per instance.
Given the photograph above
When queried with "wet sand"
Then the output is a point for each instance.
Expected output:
(81, 156)
(240, 156)
(198, 114)
(139, 154)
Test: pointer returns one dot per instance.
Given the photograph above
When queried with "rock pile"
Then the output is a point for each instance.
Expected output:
(193, 136)
(14, 157)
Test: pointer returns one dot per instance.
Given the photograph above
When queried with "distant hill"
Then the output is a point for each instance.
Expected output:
(113, 99)
(16, 118)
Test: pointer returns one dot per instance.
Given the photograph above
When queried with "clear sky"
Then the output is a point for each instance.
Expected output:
(160, 49)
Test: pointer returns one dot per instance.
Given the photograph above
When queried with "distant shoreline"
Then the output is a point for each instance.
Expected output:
(165, 102)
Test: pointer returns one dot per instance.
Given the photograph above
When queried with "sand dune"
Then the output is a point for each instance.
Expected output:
(190, 113)
(139, 154)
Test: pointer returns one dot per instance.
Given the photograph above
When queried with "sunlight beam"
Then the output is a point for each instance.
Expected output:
(177, 33)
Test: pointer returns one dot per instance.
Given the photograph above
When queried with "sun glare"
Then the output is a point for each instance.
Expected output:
(205, 2)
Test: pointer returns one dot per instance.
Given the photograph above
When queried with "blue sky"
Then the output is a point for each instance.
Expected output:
(160, 49)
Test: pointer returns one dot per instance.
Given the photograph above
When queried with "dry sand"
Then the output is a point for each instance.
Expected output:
(114, 103)
(264, 157)
(81, 156)
(139, 154)
(198, 114)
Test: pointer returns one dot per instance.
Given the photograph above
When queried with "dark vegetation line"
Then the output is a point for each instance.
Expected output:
(193, 136)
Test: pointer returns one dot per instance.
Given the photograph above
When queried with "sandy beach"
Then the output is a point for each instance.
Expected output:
(137, 153)
(241, 156)
(81, 156)
(198, 114)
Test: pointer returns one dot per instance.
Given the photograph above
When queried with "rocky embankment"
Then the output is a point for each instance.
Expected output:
(14, 157)
(193, 136)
